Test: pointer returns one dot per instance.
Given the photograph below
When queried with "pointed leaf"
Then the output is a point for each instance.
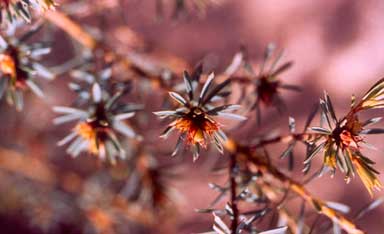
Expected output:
(314, 152)
(177, 97)
(215, 91)
(188, 85)
(280, 230)
(206, 86)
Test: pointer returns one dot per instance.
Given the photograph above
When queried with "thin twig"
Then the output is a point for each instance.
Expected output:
(233, 196)
(73, 29)
(283, 139)
(131, 61)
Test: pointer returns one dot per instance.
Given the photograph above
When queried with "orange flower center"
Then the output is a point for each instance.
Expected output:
(94, 135)
(7, 65)
(9, 68)
(349, 140)
(349, 133)
(196, 126)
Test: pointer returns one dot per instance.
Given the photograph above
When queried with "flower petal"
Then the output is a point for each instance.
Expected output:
(124, 116)
(206, 86)
(35, 89)
(124, 129)
(177, 97)
(67, 139)
(232, 116)
(68, 110)
(96, 93)
(43, 72)
(66, 118)
(164, 114)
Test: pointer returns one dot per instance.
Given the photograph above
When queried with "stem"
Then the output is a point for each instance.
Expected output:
(287, 138)
(73, 29)
(235, 210)
(138, 63)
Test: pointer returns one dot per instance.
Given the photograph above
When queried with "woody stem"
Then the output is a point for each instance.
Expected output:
(284, 139)
(233, 201)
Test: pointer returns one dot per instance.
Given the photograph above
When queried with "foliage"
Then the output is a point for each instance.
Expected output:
(128, 182)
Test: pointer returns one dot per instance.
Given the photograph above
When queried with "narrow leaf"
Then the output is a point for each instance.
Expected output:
(206, 86)
(314, 152)
(177, 97)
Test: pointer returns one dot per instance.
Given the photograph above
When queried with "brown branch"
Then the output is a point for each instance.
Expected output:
(283, 139)
(245, 153)
(233, 196)
(69, 26)
(140, 64)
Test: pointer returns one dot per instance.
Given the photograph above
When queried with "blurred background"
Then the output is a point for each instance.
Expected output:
(335, 45)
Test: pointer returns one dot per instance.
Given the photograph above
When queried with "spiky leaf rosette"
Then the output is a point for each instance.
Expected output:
(11, 10)
(268, 85)
(265, 81)
(19, 67)
(195, 117)
(342, 139)
(99, 123)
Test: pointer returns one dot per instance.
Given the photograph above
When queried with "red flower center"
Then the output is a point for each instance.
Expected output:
(196, 125)
(267, 90)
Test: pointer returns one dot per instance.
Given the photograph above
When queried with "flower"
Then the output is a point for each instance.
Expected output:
(13, 9)
(194, 118)
(19, 66)
(342, 140)
(265, 82)
(98, 126)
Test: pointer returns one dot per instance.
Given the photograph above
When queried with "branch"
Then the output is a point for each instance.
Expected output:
(245, 153)
(233, 196)
(283, 139)
(73, 29)
(138, 63)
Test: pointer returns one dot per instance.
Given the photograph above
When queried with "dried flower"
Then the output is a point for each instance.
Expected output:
(194, 119)
(146, 183)
(98, 125)
(267, 84)
(341, 141)
(13, 9)
(18, 67)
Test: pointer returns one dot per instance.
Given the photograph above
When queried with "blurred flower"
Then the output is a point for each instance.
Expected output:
(265, 83)
(194, 118)
(98, 125)
(146, 184)
(18, 67)
(342, 139)
(12, 9)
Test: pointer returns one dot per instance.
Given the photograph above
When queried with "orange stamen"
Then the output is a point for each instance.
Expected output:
(196, 132)
(7, 65)
(89, 133)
